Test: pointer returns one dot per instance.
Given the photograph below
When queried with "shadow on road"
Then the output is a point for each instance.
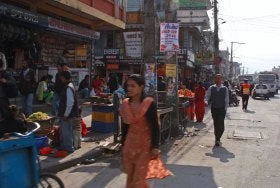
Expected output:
(222, 153)
(249, 111)
(187, 176)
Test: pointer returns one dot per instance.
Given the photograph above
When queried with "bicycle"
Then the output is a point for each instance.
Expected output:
(45, 180)
(183, 118)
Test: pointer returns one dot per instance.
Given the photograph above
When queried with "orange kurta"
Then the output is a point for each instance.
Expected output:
(137, 147)
(199, 103)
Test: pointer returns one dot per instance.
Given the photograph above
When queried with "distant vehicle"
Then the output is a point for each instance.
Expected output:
(249, 77)
(270, 80)
(260, 90)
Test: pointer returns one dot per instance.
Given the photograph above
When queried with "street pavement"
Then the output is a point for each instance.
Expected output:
(249, 156)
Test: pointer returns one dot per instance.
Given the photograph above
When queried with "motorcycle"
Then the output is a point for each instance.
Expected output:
(233, 99)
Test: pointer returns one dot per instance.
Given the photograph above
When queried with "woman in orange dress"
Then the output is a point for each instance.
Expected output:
(199, 102)
(140, 154)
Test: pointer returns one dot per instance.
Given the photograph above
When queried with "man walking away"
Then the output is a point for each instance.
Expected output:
(68, 112)
(27, 86)
(217, 95)
(245, 91)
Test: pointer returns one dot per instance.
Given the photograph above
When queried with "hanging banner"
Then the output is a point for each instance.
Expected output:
(169, 37)
(171, 70)
(133, 43)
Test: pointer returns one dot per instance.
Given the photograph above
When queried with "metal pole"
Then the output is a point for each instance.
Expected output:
(231, 63)
(216, 36)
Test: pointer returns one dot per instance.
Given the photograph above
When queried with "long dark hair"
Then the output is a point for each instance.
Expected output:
(140, 81)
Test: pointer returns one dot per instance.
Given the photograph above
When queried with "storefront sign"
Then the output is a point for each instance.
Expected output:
(131, 61)
(204, 58)
(113, 66)
(169, 37)
(133, 43)
(73, 29)
(111, 53)
(171, 70)
(22, 15)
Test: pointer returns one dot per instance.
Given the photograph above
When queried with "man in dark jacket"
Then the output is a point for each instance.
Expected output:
(27, 86)
(84, 87)
(68, 112)
(5, 79)
(58, 85)
(217, 94)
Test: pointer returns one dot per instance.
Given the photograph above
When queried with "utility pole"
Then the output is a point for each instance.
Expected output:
(216, 36)
(149, 48)
(231, 59)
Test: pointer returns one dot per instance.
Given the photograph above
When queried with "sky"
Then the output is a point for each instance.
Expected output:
(255, 23)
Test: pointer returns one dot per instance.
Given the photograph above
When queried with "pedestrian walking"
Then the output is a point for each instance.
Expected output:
(141, 143)
(27, 87)
(68, 112)
(199, 94)
(217, 95)
(245, 92)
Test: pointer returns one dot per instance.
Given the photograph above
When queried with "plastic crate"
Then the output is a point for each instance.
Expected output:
(103, 108)
(103, 117)
(102, 127)
(42, 141)
(18, 163)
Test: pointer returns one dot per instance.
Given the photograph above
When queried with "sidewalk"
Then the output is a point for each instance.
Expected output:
(93, 147)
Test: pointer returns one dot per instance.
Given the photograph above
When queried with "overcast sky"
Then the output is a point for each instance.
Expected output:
(256, 23)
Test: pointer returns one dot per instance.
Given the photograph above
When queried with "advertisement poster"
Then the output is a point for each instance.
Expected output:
(150, 78)
(171, 70)
(169, 37)
(133, 43)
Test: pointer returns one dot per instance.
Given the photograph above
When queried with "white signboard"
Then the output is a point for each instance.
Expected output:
(133, 43)
(169, 37)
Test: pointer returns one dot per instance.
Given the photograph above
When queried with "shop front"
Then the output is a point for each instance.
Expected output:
(42, 40)
(120, 66)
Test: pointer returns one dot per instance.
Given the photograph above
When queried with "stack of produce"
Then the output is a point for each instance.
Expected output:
(38, 116)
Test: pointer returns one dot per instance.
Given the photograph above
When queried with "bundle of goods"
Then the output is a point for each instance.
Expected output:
(44, 120)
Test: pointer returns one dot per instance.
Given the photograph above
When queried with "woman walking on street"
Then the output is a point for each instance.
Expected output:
(141, 146)
(199, 102)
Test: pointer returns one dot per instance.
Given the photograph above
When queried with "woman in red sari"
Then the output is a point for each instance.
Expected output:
(140, 154)
(199, 102)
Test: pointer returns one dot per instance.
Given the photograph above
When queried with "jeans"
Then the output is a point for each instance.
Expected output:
(66, 135)
(26, 103)
(55, 103)
(245, 99)
(84, 93)
(77, 132)
(218, 115)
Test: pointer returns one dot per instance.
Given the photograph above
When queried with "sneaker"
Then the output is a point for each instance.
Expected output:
(218, 143)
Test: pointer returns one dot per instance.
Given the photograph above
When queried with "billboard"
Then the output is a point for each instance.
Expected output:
(169, 37)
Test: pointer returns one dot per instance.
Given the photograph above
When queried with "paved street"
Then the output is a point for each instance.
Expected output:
(249, 156)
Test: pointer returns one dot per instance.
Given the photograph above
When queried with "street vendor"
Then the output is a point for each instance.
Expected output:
(12, 121)
(184, 92)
